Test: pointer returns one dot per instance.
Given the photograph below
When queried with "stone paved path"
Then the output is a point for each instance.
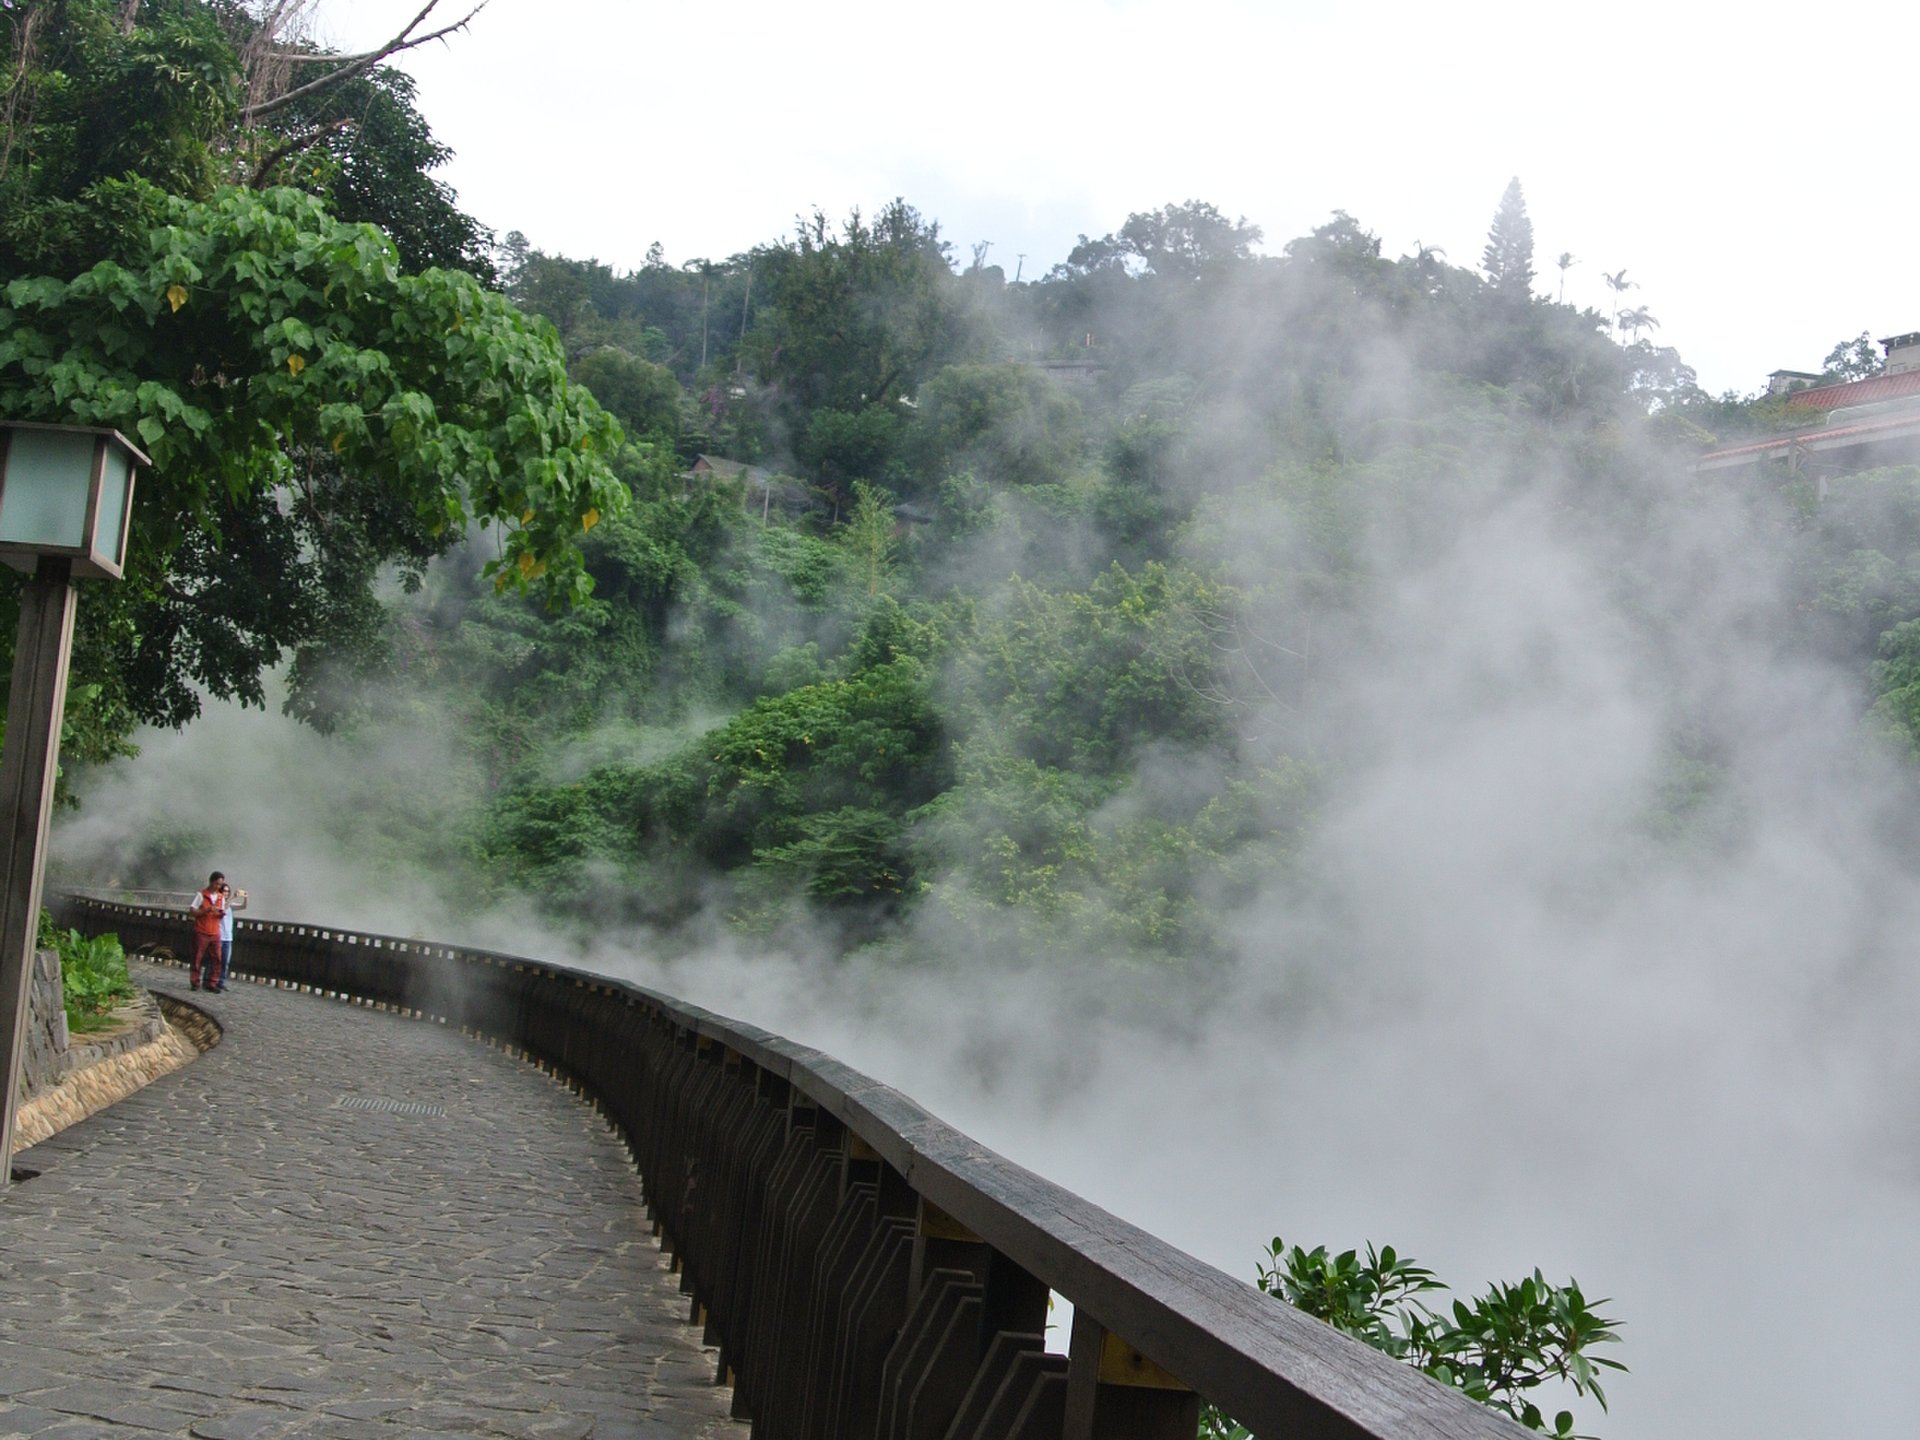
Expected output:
(231, 1253)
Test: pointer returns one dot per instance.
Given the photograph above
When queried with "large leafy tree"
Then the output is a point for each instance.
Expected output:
(363, 145)
(91, 100)
(1187, 241)
(315, 409)
(860, 316)
(1854, 359)
(300, 392)
(1178, 242)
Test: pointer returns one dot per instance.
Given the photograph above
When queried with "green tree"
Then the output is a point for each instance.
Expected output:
(362, 146)
(186, 94)
(1896, 681)
(1618, 283)
(1855, 359)
(861, 316)
(871, 742)
(1009, 424)
(1508, 258)
(1635, 320)
(1344, 238)
(92, 101)
(303, 397)
(868, 534)
(1185, 242)
(841, 447)
(642, 396)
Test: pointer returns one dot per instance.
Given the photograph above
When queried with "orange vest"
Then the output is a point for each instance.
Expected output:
(206, 920)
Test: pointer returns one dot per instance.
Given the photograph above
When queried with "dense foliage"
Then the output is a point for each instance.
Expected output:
(317, 409)
(93, 974)
(913, 598)
(1022, 605)
(1500, 1349)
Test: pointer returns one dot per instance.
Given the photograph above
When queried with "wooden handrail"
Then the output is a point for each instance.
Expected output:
(866, 1269)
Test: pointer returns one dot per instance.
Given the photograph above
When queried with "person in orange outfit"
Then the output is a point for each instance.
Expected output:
(208, 909)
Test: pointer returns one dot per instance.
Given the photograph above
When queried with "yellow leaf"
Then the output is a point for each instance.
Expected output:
(339, 442)
(527, 519)
(590, 519)
(176, 295)
(295, 364)
(530, 568)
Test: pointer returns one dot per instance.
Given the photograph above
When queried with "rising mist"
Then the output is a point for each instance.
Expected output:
(1526, 884)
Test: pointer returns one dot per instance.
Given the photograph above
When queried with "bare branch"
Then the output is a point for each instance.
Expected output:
(353, 65)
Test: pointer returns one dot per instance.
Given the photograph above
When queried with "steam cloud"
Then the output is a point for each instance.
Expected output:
(1490, 1017)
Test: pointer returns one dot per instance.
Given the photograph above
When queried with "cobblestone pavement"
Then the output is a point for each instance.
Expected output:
(234, 1253)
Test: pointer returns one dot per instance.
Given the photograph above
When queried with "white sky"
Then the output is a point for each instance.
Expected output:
(1748, 165)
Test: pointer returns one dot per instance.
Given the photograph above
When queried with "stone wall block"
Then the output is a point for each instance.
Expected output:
(45, 1061)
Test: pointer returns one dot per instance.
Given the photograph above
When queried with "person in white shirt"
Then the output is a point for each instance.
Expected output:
(235, 901)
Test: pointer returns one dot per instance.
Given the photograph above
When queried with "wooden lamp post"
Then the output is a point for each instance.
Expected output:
(66, 501)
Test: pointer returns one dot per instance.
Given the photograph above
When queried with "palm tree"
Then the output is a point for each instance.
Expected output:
(1566, 262)
(1619, 284)
(1636, 320)
(1426, 259)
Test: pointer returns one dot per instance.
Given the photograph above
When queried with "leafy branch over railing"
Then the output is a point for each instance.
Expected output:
(1505, 1344)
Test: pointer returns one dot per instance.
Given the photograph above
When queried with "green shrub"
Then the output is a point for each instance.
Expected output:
(93, 972)
(1498, 1350)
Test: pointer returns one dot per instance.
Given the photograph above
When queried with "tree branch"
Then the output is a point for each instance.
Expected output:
(352, 65)
(272, 160)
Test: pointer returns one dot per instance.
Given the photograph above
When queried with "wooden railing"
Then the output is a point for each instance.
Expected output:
(864, 1269)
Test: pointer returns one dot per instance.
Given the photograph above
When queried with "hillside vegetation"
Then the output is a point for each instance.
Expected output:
(844, 589)
(1042, 617)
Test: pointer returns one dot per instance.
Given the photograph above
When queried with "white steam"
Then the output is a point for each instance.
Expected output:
(1501, 1027)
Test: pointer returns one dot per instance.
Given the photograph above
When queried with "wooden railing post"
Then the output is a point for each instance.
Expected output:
(1116, 1393)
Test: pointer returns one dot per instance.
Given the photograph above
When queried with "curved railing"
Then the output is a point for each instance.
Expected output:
(865, 1269)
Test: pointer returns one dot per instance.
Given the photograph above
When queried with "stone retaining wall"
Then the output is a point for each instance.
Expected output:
(45, 1061)
(64, 1083)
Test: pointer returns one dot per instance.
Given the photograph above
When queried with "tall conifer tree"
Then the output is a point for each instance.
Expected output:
(1508, 259)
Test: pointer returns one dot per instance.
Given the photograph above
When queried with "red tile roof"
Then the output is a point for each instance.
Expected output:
(1857, 392)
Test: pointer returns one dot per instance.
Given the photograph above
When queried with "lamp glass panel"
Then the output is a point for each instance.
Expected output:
(45, 501)
(113, 505)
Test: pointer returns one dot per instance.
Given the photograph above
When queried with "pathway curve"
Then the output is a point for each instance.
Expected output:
(339, 1223)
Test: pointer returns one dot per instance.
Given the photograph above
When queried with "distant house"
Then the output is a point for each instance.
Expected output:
(760, 489)
(1903, 352)
(1853, 425)
(713, 467)
(1785, 382)
(909, 513)
(1080, 374)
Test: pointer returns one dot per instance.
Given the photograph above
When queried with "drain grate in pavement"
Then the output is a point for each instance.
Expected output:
(387, 1107)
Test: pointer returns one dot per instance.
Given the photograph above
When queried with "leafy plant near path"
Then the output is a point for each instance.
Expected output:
(1496, 1349)
(93, 973)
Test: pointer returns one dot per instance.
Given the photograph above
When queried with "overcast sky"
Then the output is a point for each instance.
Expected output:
(1746, 165)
